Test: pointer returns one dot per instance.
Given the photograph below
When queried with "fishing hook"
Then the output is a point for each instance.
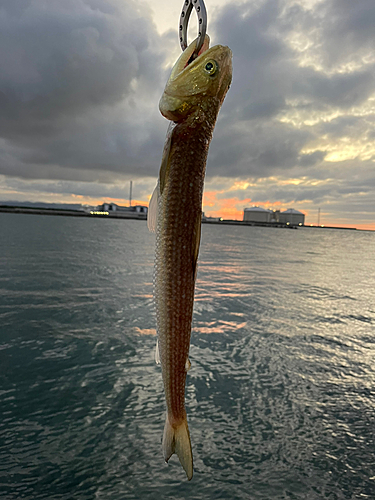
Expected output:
(184, 21)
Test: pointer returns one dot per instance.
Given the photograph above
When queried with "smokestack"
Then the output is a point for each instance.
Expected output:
(130, 193)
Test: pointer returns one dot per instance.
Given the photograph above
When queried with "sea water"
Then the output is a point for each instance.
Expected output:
(280, 396)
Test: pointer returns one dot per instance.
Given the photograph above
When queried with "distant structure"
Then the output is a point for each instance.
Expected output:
(210, 219)
(291, 216)
(257, 214)
(114, 209)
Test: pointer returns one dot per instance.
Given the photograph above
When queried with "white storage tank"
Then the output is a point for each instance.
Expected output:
(257, 214)
(293, 217)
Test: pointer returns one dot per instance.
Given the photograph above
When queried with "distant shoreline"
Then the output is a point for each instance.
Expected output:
(142, 216)
(68, 212)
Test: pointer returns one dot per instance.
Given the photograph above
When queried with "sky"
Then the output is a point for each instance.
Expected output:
(80, 83)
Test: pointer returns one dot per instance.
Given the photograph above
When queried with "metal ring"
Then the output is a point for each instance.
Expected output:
(184, 21)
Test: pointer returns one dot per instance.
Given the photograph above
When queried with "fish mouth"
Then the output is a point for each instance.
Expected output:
(186, 58)
(205, 46)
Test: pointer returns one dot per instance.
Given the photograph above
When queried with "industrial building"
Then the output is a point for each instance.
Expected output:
(292, 217)
(113, 207)
(257, 214)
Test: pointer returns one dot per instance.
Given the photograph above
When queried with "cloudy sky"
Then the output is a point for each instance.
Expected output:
(80, 82)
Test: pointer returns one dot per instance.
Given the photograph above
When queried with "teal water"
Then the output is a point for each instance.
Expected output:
(280, 396)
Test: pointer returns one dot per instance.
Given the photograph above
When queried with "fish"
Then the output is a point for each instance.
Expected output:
(191, 100)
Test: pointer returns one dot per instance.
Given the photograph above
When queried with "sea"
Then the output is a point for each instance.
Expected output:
(280, 396)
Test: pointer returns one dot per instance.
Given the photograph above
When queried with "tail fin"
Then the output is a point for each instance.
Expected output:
(177, 440)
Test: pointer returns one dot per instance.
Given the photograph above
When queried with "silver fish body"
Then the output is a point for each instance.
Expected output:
(192, 99)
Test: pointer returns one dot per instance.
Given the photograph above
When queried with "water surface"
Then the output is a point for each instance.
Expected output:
(280, 396)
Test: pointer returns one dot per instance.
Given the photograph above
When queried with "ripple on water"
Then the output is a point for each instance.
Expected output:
(280, 396)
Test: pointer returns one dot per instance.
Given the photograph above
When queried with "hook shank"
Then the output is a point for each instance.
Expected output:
(184, 21)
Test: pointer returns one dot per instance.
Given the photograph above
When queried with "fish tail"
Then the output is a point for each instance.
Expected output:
(176, 439)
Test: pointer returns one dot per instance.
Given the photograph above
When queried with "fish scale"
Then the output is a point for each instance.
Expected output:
(174, 277)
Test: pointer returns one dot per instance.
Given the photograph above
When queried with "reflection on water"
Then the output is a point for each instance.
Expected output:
(145, 331)
(280, 396)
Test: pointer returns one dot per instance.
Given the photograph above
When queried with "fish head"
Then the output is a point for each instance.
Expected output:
(192, 86)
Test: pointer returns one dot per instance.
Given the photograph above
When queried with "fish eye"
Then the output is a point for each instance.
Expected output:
(211, 67)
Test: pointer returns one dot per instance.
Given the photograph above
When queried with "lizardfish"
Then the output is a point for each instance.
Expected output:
(191, 100)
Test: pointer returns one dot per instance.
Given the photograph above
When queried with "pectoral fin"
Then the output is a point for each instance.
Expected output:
(165, 163)
(152, 213)
(153, 208)
(196, 243)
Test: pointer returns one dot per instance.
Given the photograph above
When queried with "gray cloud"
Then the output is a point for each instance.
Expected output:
(308, 160)
(80, 82)
(340, 90)
(119, 190)
(273, 78)
(348, 30)
(77, 78)
(260, 150)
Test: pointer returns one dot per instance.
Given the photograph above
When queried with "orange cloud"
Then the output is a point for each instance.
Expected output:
(227, 208)
(209, 198)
